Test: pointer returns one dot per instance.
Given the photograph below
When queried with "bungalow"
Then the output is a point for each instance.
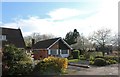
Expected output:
(55, 47)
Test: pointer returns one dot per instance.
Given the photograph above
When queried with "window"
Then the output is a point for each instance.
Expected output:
(2, 37)
(53, 52)
(64, 51)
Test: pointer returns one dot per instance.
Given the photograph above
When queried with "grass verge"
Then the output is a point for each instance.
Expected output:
(73, 60)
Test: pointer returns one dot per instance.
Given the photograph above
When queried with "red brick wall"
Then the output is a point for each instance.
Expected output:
(40, 54)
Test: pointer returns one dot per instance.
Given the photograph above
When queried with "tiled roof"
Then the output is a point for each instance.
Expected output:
(44, 44)
(13, 36)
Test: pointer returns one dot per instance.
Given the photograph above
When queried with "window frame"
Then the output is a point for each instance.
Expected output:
(64, 51)
(2, 37)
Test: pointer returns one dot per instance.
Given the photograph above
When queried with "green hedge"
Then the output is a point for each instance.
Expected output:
(82, 57)
(109, 60)
(73, 60)
(75, 54)
(88, 55)
(100, 62)
(116, 58)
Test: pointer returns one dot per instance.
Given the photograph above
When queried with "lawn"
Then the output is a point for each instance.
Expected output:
(73, 60)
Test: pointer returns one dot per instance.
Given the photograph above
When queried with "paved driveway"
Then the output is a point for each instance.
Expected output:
(105, 70)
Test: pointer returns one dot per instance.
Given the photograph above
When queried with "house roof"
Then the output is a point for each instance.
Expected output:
(46, 44)
(13, 36)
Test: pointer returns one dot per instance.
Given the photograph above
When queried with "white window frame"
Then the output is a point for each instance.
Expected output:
(63, 51)
(57, 51)
(2, 37)
(49, 52)
(53, 49)
(60, 51)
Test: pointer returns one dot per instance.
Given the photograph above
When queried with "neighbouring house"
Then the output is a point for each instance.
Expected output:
(55, 47)
(11, 36)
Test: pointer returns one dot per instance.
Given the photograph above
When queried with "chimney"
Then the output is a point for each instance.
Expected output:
(33, 42)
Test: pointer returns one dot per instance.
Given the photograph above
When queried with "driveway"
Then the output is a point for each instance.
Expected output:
(93, 70)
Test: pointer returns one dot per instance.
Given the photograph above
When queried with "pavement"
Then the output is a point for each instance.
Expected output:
(93, 70)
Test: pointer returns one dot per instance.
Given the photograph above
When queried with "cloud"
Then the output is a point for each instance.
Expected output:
(63, 13)
(66, 13)
(10, 25)
(106, 17)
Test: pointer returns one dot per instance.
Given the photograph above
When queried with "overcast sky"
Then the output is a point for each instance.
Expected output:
(58, 18)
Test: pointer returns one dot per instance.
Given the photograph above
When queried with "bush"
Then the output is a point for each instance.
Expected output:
(91, 58)
(82, 57)
(20, 68)
(75, 54)
(111, 62)
(109, 59)
(70, 57)
(100, 62)
(99, 57)
(116, 58)
(91, 62)
(51, 65)
(73, 60)
(87, 55)
(17, 61)
(95, 54)
(40, 68)
(108, 62)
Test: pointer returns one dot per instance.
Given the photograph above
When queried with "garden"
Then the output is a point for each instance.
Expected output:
(18, 62)
(93, 58)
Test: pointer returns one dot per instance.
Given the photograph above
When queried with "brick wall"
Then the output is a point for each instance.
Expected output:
(40, 54)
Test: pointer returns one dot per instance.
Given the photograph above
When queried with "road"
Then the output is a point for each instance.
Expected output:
(105, 70)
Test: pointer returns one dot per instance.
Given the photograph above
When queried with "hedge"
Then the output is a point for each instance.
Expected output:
(75, 54)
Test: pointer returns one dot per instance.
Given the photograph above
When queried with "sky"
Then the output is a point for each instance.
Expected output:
(58, 18)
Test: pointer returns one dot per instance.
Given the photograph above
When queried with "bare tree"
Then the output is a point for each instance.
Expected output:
(82, 43)
(101, 38)
(37, 37)
(28, 40)
(115, 40)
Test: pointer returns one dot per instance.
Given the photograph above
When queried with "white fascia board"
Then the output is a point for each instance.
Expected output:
(53, 44)
(66, 44)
